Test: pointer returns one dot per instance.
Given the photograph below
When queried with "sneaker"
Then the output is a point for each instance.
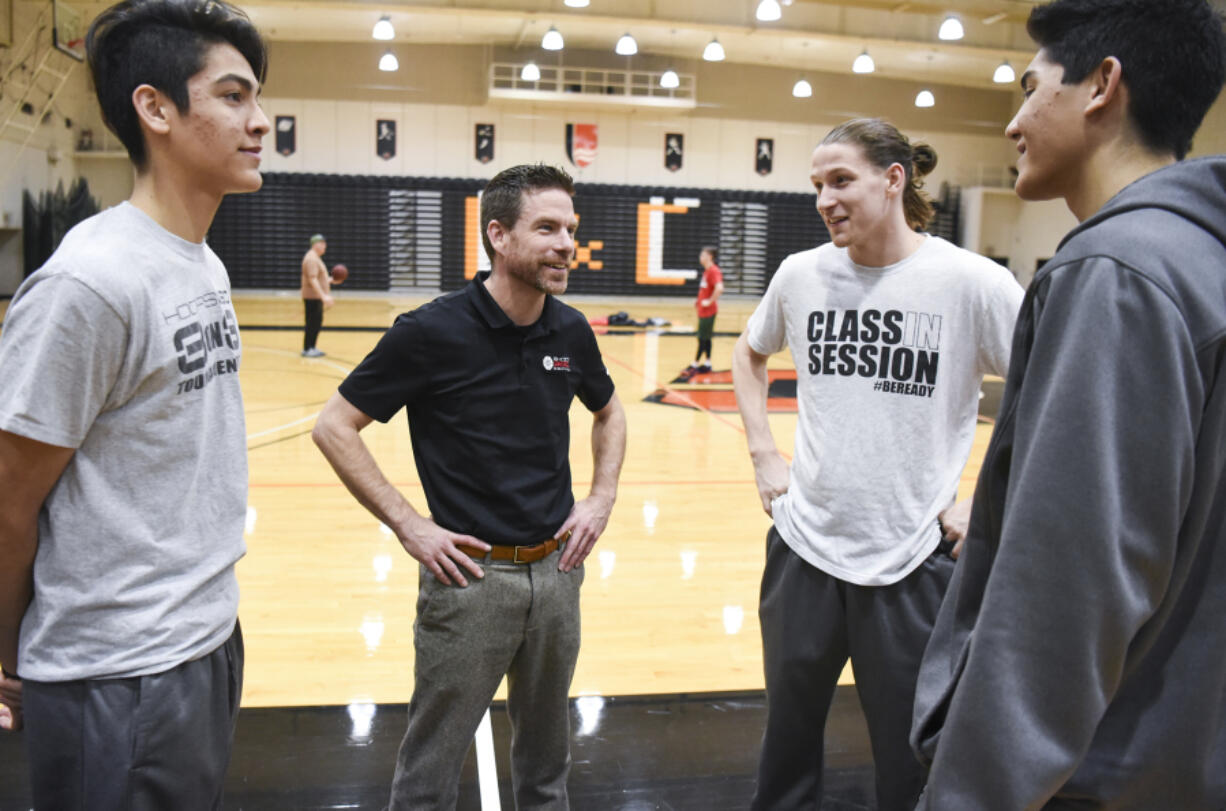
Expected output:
(312, 353)
(704, 369)
(685, 374)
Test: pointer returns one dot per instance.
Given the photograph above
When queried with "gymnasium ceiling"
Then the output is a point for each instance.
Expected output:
(813, 35)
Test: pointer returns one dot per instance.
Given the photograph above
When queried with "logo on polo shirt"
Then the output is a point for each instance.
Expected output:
(556, 363)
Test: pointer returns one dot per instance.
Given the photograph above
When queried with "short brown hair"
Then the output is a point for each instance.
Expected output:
(503, 196)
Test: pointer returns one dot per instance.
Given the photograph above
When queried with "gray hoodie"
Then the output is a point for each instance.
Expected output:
(1079, 660)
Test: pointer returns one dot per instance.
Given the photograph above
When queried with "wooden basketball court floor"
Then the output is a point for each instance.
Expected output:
(668, 706)
(670, 598)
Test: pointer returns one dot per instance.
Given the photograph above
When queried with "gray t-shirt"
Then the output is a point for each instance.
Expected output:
(888, 367)
(125, 347)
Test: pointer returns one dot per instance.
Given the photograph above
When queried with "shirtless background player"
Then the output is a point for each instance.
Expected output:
(316, 284)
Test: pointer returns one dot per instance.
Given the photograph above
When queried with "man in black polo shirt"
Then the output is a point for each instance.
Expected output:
(487, 375)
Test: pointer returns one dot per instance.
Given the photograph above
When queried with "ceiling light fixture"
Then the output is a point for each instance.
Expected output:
(802, 89)
(769, 11)
(626, 46)
(669, 79)
(388, 62)
(951, 29)
(577, 3)
(552, 41)
(530, 73)
(714, 52)
(1004, 73)
(383, 29)
(925, 99)
(863, 64)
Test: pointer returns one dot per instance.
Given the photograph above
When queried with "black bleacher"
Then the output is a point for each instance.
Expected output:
(262, 237)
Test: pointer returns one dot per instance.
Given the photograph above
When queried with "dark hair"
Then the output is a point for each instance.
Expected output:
(1173, 54)
(161, 43)
(883, 145)
(503, 196)
(711, 249)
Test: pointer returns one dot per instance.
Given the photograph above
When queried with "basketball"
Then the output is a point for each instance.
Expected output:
(339, 273)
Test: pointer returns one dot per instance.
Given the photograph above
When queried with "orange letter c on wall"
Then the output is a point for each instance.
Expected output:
(649, 249)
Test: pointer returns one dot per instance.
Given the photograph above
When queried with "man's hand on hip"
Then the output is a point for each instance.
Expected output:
(586, 523)
(956, 521)
(441, 551)
(10, 703)
(773, 475)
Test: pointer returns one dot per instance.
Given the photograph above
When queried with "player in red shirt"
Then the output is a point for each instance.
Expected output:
(709, 290)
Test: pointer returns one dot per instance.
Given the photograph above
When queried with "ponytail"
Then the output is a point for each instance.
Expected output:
(917, 207)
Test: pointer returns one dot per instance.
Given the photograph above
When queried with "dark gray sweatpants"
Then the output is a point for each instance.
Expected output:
(811, 623)
(146, 743)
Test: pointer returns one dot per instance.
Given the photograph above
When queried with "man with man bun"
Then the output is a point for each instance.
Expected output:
(891, 331)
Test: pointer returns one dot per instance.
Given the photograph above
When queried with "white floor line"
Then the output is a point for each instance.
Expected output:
(487, 770)
(291, 354)
(288, 354)
(258, 434)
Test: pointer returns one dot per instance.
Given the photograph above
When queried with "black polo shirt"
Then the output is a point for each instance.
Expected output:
(488, 406)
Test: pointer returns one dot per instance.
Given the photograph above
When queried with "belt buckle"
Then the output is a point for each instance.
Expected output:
(515, 557)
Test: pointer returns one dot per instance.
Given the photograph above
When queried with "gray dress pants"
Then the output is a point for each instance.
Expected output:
(811, 623)
(521, 620)
(146, 743)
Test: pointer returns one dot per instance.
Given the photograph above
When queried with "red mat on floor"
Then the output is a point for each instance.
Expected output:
(712, 391)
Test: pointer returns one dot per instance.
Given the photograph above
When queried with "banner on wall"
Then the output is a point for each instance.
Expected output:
(287, 140)
(485, 142)
(581, 144)
(674, 151)
(765, 156)
(385, 138)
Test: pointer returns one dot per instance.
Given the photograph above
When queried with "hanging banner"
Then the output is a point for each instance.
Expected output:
(674, 151)
(765, 155)
(485, 142)
(385, 138)
(581, 144)
(287, 137)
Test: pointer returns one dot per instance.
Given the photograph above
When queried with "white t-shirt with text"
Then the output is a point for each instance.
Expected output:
(889, 363)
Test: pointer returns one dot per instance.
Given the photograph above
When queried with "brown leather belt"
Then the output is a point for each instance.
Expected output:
(521, 554)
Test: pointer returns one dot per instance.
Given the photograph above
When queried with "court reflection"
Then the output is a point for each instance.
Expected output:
(734, 618)
(382, 564)
(361, 715)
(590, 709)
(372, 628)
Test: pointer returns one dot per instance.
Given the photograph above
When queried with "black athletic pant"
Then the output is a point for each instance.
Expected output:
(811, 623)
(314, 321)
(146, 743)
(706, 329)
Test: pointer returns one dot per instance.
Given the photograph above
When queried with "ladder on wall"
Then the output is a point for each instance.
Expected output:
(415, 250)
(35, 70)
(742, 246)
